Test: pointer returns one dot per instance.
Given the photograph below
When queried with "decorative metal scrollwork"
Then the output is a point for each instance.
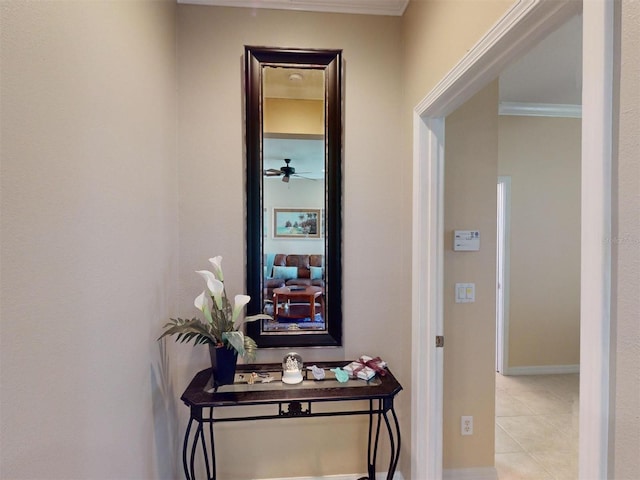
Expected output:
(295, 410)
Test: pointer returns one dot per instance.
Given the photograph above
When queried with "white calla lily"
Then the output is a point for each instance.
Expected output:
(200, 300)
(215, 286)
(239, 303)
(223, 321)
(217, 267)
(202, 303)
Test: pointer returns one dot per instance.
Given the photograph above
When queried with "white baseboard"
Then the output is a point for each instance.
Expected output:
(542, 370)
(351, 476)
(480, 473)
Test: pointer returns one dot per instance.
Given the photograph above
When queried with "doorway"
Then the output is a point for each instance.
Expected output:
(536, 394)
(523, 25)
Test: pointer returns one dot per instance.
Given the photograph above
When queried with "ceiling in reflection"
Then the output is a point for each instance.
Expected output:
(296, 83)
(307, 157)
(306, 152)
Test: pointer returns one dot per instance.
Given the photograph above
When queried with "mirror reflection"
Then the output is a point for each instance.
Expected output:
(293, 199)
(294, 195)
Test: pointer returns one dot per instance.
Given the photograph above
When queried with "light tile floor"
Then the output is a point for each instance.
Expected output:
(537, 427)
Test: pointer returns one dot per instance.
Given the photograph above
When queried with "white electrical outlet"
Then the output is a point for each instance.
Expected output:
(466, 425)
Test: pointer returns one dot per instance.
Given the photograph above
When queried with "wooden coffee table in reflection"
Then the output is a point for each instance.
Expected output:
(300, 302)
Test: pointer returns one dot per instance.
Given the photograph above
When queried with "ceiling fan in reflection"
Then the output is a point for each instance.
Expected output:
(286, 171)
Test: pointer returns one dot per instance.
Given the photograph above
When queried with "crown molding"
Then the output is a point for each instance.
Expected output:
(540, 109)
(535, 20)
(362, 7)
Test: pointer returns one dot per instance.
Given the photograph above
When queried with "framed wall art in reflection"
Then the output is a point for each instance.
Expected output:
(297, 222)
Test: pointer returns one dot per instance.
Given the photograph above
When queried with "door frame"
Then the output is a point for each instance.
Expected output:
(502, 275)
(526, 23)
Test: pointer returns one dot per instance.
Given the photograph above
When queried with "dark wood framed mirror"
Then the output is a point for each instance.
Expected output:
(293, 101)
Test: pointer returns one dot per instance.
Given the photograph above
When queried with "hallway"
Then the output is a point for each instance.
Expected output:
(537, 427)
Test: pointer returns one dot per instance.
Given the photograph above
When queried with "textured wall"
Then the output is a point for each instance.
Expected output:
(626, 247)
(436, 35)
(471, 169)
(376, 273)
(89, 200)
(542, 157)
(88, 237)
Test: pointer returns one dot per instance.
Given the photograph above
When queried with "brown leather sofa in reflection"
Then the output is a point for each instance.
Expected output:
(294, 269)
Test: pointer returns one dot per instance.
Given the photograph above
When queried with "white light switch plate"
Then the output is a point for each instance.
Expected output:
(465, 292)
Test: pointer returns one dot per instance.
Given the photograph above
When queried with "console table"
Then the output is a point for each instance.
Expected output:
(288, 401)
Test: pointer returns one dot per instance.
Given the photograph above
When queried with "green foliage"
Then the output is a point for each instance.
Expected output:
(192, 330)
(250, 348)
(222, 319)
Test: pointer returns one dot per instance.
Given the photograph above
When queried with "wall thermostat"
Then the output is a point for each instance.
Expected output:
(466, 240)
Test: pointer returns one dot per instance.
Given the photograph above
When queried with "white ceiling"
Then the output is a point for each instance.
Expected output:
(551, 72)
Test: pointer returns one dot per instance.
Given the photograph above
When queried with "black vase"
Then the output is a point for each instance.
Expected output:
(223, 364)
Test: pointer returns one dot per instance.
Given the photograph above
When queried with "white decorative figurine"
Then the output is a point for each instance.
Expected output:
(292, 368)
(318, 373)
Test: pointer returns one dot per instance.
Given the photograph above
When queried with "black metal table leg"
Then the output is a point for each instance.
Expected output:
(192, 469)
(213, 449)
(373, 438)
(394, 439)
(189, 457)
(395, 449)
(398, 436)
(187, 473)
(204, 452)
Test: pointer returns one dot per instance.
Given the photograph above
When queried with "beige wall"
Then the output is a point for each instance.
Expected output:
(89, 202)
(471, 167)
(436, 35)
(376, 272)
(625, 461)
(282, 115)
(542, 157)
(89, 238)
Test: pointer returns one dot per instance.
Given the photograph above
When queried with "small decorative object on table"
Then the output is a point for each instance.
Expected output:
(317, 372)
(366, 368)
(221, 328)
(341, 375)
(265, 378)
(292, 368)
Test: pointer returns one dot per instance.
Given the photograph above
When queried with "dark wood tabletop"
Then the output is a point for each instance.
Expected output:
(200, 392)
